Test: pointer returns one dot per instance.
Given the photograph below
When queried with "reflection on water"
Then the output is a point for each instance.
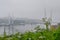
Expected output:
(20, 28)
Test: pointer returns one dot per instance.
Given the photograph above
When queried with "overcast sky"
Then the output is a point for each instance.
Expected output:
(33, 9)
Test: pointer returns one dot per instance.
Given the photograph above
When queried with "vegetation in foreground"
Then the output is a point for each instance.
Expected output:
(39, 34)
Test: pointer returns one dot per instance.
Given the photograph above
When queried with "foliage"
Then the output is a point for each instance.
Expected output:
(39, 34)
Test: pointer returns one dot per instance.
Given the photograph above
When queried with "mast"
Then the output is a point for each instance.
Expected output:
(50, 18)
(12, 23)
(45, 13)
(9, 24)
(44, 18)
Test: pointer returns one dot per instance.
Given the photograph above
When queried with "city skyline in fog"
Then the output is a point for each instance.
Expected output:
(33, 9)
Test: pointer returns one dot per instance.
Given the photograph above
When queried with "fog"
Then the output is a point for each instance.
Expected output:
(33, 9)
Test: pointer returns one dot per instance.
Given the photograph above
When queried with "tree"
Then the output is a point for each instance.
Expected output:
(46, 22)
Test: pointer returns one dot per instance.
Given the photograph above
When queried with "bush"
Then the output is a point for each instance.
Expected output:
(43, 34)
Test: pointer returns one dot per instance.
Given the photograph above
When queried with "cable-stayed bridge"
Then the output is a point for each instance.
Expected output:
(11, 23)
(14, 22)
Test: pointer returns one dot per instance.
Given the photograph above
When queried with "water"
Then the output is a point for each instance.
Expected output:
(20, 28)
